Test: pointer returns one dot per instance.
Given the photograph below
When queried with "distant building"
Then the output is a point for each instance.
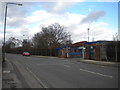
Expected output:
(96, 50)
(101, 50)
(73, 50)
(77, 50)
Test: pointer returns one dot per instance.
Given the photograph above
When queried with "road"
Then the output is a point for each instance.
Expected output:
(67, 73)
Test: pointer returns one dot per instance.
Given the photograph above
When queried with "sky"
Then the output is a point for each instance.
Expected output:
(100, 16)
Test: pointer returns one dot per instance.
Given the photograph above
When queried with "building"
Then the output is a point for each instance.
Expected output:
(96, 50)
(92, 50)
(77, 50)
(74, 50)
(100, 50)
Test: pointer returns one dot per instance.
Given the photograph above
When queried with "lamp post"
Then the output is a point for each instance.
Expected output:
(5, 27)
(88, 34)
(116, 51)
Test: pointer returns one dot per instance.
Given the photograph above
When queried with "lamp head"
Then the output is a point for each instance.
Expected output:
(20, 4)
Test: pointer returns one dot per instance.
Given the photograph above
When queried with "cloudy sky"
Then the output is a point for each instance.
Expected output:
(77, 16)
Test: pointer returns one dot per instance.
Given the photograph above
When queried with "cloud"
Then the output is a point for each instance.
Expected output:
(93, 16)
(57, 7)
(89, 9)
(107, 0)
(40, 18)
(16, 14)
(98, 31)
(16, 22)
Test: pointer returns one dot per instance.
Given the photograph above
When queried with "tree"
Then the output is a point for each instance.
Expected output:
(52, 36)
(13, 42)
(26, 44)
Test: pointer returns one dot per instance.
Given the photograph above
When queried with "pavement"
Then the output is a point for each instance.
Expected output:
(9, 77)
(14, 79)
(14, 75)
(0, 68)
(0, 75)
(104, 63)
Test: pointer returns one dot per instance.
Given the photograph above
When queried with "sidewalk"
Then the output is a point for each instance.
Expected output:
(0, 75)
(104, 63)
(9, 77)
(0, 68)
(15, 75)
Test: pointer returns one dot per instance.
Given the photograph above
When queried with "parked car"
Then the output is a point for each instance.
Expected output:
(26, 54)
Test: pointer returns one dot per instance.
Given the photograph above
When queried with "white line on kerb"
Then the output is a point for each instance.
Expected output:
(37, 78)
(96, 73)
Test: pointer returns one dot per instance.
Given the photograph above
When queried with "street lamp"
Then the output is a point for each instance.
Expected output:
(88, 34)
(5, 27)
(116, 51)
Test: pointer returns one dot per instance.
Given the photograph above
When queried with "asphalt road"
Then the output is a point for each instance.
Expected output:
(67, 73)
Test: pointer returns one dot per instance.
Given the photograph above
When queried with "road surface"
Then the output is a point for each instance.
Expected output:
(67, 73)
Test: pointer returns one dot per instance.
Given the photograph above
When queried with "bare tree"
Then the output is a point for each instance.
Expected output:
(26, 44)
(13, 42)
(52, 36)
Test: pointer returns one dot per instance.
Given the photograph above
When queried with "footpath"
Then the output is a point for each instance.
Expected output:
(0, 75)
(15, 75)
(0, 68)
(104, 63)
(9, 77)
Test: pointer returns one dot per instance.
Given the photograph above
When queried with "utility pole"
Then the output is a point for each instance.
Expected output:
(116, 57)
(88, 34)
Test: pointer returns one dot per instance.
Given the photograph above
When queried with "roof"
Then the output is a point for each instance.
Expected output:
(94, 42)
(57, 48)
(78, 44)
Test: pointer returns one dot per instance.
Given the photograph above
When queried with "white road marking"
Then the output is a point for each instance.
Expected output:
(37, 78)
(6, 71)
(45, 64)
(96, 73)
(54, 64)
(65, 65)
(102, 66)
